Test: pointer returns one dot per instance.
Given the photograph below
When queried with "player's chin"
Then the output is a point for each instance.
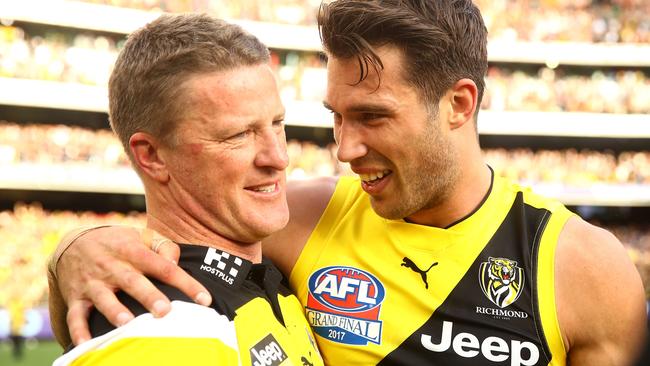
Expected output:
(388, 208)
(269, 220)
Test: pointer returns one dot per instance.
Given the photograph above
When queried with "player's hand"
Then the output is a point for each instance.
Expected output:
(105, 260)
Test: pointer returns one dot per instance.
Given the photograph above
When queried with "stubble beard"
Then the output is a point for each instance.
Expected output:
(427, 180)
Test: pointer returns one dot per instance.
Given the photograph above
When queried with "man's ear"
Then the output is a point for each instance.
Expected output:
(463, 99)
(147, 157)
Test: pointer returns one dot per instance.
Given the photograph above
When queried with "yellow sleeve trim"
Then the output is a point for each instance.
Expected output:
(546, 285)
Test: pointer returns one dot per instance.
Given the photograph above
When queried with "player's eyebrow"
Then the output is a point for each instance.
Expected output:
(328, 107)
(364, 108)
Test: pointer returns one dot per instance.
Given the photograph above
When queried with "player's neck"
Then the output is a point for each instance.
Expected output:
(468, 194)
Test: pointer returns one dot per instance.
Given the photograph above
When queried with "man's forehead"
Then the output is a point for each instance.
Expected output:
(390, 61)
(380, 89)
(243, 93)
(234, 80)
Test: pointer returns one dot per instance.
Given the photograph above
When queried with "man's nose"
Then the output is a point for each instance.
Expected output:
(273, 151)
(350, 143)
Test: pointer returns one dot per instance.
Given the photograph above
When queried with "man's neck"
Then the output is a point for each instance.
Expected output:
(180, 227)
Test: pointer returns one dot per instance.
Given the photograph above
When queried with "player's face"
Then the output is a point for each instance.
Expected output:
(228, 160)
(400, 149)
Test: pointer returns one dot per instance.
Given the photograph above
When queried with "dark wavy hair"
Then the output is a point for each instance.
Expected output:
(442, 41)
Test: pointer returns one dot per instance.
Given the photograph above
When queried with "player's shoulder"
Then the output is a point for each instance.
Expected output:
(595, 280)
(586, 252)
(320, 188)
(325, 197)
(307, 201)
(591, 246)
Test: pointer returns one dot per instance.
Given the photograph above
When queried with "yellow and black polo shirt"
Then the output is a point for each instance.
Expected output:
(254, 320)
(479, 292)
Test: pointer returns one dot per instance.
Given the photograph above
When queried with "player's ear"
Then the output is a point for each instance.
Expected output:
(147, 158)
(463, 99)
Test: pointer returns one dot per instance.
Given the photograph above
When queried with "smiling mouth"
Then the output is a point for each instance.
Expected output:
(374, 178)
(268, 188)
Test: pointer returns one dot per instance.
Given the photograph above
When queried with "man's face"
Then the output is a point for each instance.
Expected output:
(228, 156)
(402, 152)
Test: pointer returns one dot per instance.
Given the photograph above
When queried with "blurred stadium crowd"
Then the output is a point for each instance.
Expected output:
(88, 59)
(541, 20)
(29, 235)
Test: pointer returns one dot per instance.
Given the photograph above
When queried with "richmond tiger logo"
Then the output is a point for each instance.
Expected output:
(501, 280)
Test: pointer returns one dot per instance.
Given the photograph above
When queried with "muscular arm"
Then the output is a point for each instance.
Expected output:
(307, 201)
(599, 296)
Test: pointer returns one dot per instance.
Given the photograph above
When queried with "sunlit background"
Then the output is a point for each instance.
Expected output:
(566, 112)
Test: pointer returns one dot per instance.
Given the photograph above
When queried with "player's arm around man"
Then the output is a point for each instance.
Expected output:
(600, 300)
(99, 261)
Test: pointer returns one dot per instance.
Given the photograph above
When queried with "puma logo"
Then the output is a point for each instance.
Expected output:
(305, 361)
(406, 262)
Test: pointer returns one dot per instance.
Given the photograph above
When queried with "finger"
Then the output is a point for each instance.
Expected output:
(146, 235)
(77, 320)
(169, 250)
(143, 291)
(175, 276)
(107, 303)
(145, 260)
(167, 272)
(161, 245)
(130, 278)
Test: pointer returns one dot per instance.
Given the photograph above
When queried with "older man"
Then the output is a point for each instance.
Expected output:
(196, 105)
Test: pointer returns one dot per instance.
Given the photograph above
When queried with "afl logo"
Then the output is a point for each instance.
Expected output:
(346, 289)
(343, 305)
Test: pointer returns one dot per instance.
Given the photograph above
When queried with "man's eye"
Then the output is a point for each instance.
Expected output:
(370, 116)
(278, 123)
(239, 136)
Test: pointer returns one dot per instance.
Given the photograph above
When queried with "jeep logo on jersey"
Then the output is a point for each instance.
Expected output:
(492, 348)
(343, 305)
(267, 352)
(501, 280)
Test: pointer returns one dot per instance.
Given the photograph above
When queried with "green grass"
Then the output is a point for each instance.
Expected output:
(36, 353)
